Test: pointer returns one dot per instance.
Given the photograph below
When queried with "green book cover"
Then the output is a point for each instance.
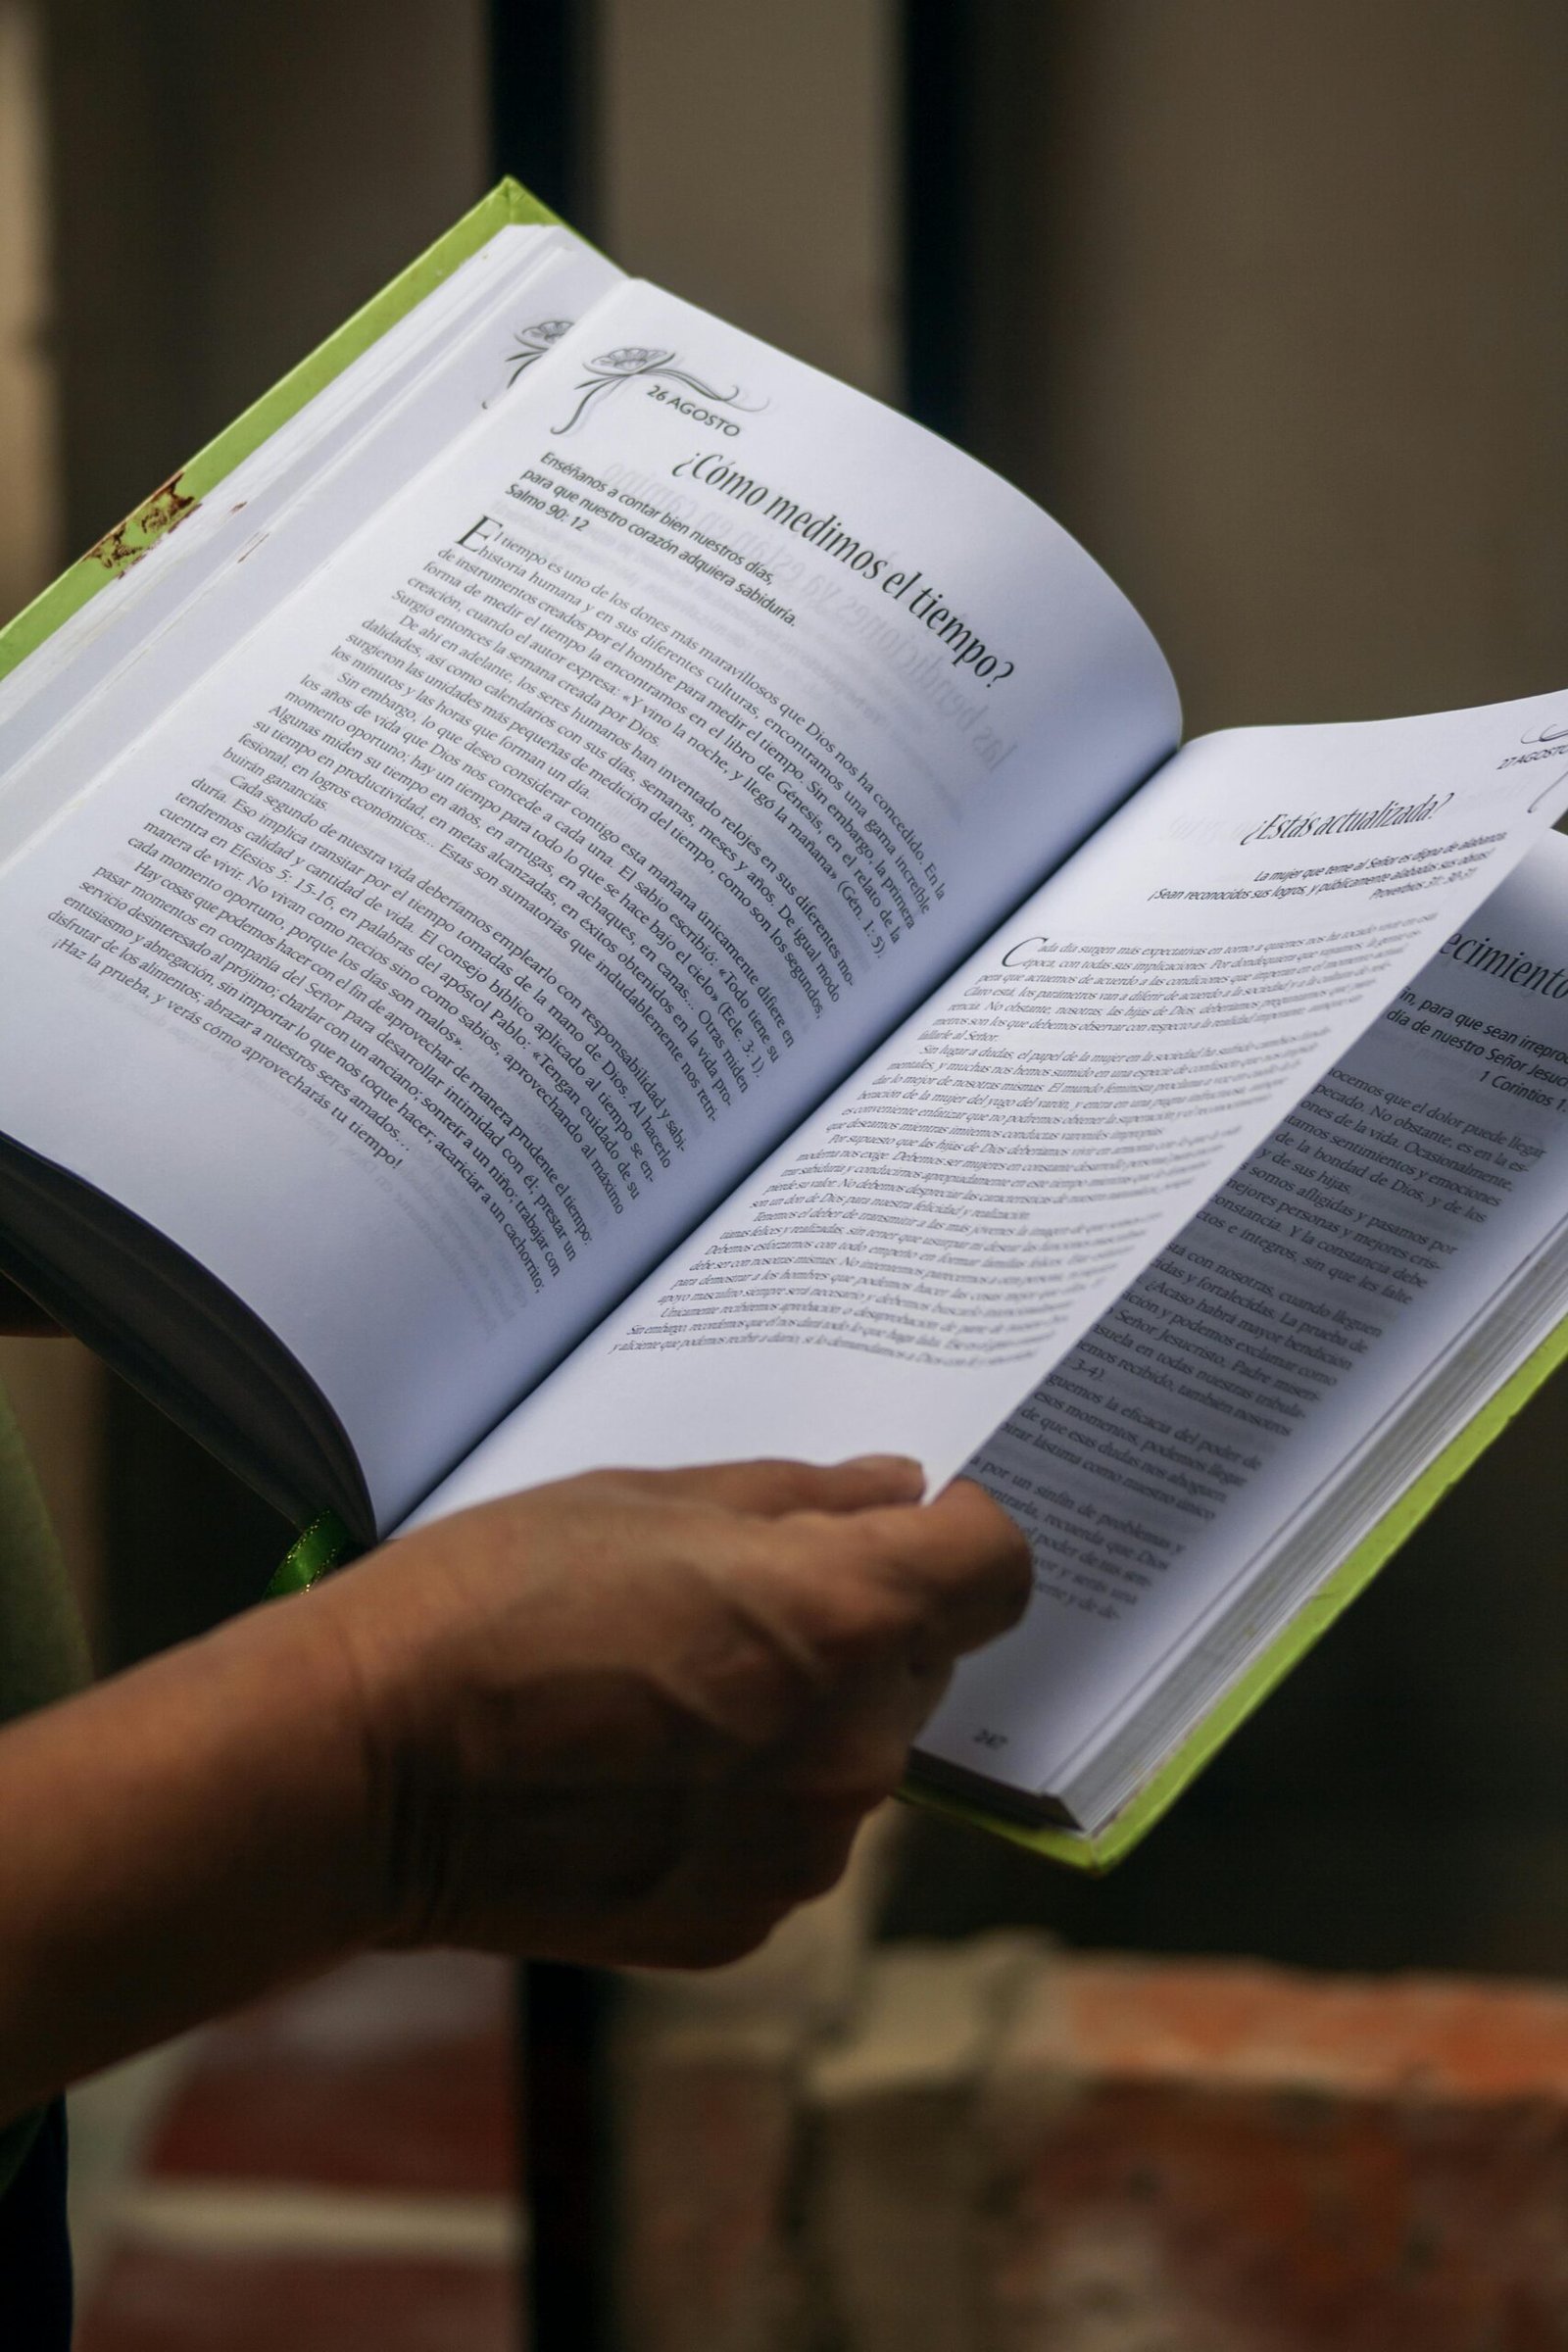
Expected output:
(507, 205)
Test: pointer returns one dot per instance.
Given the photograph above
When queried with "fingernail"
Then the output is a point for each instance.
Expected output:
(891, 1464)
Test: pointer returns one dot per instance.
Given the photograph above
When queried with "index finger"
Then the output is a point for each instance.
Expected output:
(771, 1489)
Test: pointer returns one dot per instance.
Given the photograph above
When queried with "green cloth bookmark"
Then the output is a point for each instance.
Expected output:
(325, 1543)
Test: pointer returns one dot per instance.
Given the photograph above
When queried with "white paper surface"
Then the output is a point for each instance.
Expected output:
(1176, 1450)
(716, 783)
(1223, 956)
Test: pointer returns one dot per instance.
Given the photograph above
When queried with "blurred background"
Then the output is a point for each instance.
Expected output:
(1264, 304)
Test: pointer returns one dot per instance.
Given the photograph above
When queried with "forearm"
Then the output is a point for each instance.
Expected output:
(175, 1842)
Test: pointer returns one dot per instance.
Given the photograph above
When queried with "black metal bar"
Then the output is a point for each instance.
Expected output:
(939, 51)
(542, 101)
(561, 2023)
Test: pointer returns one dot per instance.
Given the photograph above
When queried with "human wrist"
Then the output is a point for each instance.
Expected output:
(387, 1641)
(179, 1839)
(323, 1799)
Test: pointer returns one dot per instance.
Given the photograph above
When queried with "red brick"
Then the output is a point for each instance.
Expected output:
(154, 2300)
(1230, 2159)
(1463, 2038)
(391, 2073)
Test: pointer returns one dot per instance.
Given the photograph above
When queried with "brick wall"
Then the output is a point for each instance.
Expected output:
(994, 2147)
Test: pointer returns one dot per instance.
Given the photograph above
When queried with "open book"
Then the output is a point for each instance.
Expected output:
(604, 898)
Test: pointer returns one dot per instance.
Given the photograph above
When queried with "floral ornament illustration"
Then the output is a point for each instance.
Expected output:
(529, 343)
(631, 362)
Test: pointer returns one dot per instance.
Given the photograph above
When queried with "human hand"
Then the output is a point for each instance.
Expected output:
(626, 1718)
(632, 1718)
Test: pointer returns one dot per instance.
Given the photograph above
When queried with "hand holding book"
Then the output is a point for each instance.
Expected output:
(626, 1720)
(634, 1717)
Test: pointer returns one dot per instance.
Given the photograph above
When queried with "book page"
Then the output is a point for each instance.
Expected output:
(962, 1212)
(469, 929)
(1337, 1276)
